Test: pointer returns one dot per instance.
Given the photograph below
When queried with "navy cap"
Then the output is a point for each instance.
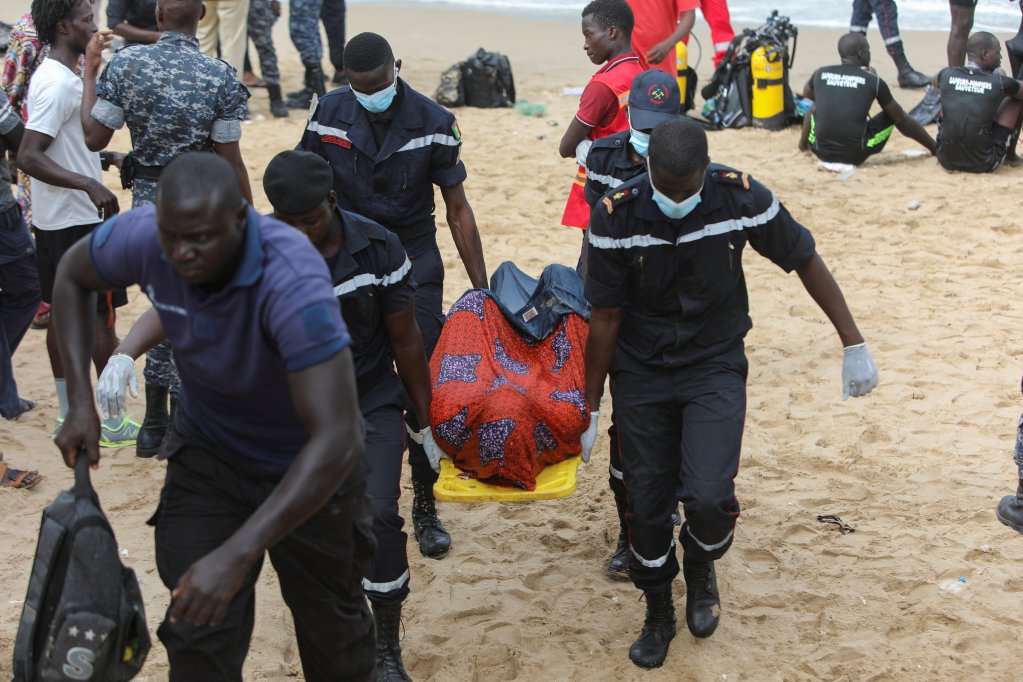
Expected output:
(297, 181)
(654, 98)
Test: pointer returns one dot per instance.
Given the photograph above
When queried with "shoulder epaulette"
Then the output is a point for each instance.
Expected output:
(622, 196)
(731, 177)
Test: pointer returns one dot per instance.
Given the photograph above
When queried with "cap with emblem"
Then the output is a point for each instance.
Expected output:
(654, 97)
(297, 181)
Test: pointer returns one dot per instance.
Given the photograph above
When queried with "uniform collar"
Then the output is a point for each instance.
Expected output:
(620, 59)
(174, 37)
(250, 267)
(353, 241)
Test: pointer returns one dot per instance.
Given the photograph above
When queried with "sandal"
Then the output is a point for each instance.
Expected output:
(16, 478)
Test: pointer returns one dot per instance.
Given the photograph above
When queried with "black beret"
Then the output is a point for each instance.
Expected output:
(297, 181)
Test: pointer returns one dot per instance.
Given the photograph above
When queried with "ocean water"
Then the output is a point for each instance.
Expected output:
(914, 15)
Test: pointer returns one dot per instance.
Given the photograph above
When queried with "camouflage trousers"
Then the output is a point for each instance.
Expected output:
(160, 369)
(304, 27)
(1017, 454)
(261, 23)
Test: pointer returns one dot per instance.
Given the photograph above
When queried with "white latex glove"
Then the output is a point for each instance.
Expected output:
(859, 373)
(433, 451)
(589, 437)
(118, 375)
(582, 150)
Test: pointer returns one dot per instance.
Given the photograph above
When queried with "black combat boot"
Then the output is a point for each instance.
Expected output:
(618, 565)
(703, 603)
(339, 79)
(313, 86)
(155, 423)
(908, 76)
(277, 106)
(1010, 510)
(434, 540)
(650, 650)
(390, 667)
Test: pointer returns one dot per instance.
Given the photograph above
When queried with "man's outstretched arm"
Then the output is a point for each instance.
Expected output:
(466, 234)
(326, 400)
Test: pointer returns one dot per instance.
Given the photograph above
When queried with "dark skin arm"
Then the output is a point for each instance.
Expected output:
(577, 132)
(135, 34)
(465, 234)
(232, 153)
(821, 286)
(804, 135)
(325, 398)
(410, 359)
(909, 126)
(660, 51)
(97, 135)
(32, 159)
(601, 343)
(145, 334)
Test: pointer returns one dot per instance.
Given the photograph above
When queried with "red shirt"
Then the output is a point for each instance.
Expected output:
(655, 21)
(599, 104)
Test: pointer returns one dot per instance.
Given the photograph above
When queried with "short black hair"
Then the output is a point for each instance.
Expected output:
(199, 173)
(980, 41)
(608, 13)
(366, 52)
(679, 147)
(46, 14)
(850, 44)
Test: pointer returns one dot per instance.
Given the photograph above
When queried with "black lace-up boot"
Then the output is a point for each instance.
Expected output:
(434, 540)
(650, 650)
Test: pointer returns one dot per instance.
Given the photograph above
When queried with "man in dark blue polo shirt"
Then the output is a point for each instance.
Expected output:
(388, 146)
(373, 282)
(670, 311)
(266, 450)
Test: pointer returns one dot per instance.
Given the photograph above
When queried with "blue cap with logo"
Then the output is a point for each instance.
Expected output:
(654, 98)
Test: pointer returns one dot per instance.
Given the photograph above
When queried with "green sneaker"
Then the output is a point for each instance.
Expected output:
(56, 429)
(123, 435)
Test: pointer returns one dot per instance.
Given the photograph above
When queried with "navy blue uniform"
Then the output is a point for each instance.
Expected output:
(373, 278)
(609, 164)
(385, 167)
(679, 372)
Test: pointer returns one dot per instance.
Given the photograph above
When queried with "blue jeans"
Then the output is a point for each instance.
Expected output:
(19, 297)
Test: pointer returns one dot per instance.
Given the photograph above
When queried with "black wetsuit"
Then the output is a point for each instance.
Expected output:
(839, 129)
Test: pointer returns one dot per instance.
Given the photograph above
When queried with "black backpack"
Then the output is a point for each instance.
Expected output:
(483, 80)
(83, 617)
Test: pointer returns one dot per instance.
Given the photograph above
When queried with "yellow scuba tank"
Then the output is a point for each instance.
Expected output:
(681, 66)
(767, 67)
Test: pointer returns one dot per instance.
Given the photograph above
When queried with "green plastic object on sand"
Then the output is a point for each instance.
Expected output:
(531, 108)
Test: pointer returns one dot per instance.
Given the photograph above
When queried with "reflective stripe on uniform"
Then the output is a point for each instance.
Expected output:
(721, 47)
(709, 548)
(609, 180)
(893, 39)
(711, 230)
(654, 563)
(321, 130)
(614, 472)
(427, 140)
(386, 587)
(368, 279)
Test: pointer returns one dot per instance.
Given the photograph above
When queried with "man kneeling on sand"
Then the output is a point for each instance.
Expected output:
(980, 109)
(836, 128)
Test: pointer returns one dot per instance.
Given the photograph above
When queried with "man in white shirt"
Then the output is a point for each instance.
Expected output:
(68, 197)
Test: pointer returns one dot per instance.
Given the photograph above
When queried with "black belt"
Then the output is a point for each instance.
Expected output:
(148, 172)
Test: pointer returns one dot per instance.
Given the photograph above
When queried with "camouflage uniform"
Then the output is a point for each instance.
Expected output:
(174, 99)
(261, 23)
(304, 27)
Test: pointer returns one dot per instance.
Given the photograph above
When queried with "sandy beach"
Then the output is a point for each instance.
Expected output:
(929, 585)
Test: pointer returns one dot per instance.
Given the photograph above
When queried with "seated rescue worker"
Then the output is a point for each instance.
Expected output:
(837, 128)
(980, 107)
(613, 160)
(374, 285)
(670, 309)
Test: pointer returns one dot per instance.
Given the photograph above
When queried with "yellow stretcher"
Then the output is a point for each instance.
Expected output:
(556, 481)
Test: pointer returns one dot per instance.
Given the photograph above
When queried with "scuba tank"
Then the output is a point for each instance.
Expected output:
(767, 67)
(681, 69)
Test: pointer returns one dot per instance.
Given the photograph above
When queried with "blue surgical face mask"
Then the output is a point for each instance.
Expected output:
(676, 210)
(380, 100)
(639, 141)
